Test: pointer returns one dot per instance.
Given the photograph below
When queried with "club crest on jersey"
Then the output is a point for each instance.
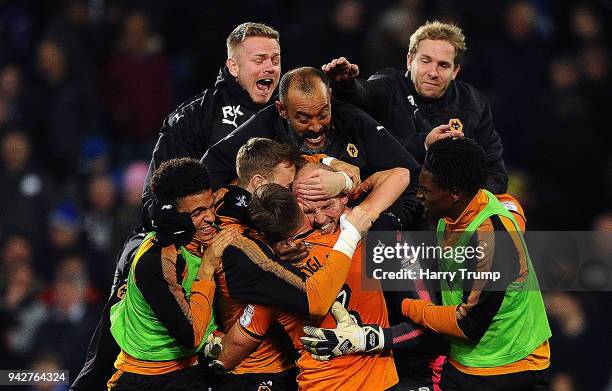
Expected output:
(247, 316)
(265, 386)
(352, 150)
(241, 201)
(121, 291)
(455, 124)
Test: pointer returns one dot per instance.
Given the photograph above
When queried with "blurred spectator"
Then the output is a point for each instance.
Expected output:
(21, 297)
(520, 58)
(576, 329)
(347, 25)
(138, 89)
(62, 110)
(595, 70)
(387, 43)
(25, 191)
(16, 249)
(98, 226)
(99, 214)
(570, 117)
(45, 364)
(127, 217)
(603, 223)
(16, 30)
(11, 96)
(80, 39)
(586, 25)
(64, 235)
(72, 315)
(8, 359)
(95, 157)
(603, 245)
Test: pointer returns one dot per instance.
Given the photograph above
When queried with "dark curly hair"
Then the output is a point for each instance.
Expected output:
(457, 164)
(178, 178)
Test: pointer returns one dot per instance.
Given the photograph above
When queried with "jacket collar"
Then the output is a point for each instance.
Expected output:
(478, 203)
(235, 205)
(227, 81)
(446, 97)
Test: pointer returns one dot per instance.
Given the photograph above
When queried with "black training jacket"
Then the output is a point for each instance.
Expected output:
(356, 138)
(390, 97)
(202, 121)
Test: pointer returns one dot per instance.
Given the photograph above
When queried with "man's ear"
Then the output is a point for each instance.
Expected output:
(257, 181)
(456, 71)
(232, 66)
(282, 111)
(409, 59)
(456, 195)
(344, 200)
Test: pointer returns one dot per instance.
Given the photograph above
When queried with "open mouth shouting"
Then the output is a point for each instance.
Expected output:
(318, 141)
(264, 85)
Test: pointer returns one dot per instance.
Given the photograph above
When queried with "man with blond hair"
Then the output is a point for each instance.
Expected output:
(427, 102)
(244, 86)
(418, 107)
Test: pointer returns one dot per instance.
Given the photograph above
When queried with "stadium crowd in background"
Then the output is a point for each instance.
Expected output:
(84, 87)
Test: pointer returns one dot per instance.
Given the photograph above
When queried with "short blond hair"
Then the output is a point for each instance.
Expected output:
(438, 31)
(247, 30)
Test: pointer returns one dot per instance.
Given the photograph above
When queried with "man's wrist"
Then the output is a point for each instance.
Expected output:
(327, 160)
(348, 183)
(348, 239)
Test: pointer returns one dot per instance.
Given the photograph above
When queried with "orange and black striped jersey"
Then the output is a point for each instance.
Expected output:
(253, 273)
(275, 352)
(353, 372)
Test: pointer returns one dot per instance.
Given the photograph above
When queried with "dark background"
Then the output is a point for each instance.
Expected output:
(84, 86)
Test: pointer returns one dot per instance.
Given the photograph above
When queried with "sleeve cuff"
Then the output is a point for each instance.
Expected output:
(327, 160)
(349, 238)
(388, 333)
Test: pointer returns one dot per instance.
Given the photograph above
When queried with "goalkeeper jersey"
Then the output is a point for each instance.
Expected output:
(367, 306)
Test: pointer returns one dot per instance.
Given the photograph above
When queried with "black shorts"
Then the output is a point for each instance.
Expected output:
(187, 379)
(281, 381)
(455, 380)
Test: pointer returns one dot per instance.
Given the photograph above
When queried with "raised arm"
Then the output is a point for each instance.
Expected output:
(385, 187)
(371, 95)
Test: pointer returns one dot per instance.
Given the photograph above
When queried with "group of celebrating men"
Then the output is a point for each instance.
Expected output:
(247, 271)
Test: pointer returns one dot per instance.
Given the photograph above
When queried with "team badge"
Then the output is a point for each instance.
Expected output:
(241, 201)
(265, 386)
(455, 124)
(247, 316)
(352, 150)
(121, 291)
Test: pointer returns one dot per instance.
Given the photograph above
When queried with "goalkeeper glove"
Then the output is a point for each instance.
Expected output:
(347, 338)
